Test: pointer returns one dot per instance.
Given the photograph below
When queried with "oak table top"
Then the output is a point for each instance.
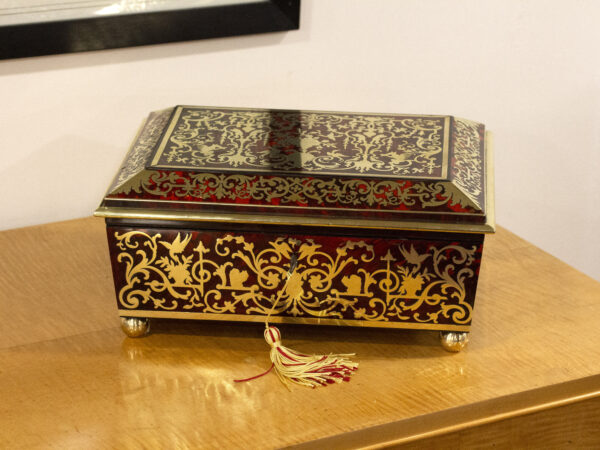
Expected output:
(69, 378)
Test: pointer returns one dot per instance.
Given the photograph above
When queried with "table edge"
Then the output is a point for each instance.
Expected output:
(462, 417)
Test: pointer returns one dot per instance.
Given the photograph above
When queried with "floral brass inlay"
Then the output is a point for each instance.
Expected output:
(308, 191)
(297, 141)
(232, 276)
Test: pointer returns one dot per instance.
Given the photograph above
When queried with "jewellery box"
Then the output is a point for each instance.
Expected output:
(382, 215)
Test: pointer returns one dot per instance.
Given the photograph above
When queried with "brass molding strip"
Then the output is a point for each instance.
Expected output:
(240, 108)
(490, 196)
(298, 320)
(277, 219)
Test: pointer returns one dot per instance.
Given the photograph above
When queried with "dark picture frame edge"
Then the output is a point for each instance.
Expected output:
(131, 30)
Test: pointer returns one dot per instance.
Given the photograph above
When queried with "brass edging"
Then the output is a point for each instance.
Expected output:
(446, 149)
(490, 198)
(178, 109)
(240, 108)
(296, 320)
(278, 219)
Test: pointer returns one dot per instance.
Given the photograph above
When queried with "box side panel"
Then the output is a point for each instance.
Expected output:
(402, 282)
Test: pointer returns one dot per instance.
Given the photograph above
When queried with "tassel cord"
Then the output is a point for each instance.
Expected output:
(256, 376)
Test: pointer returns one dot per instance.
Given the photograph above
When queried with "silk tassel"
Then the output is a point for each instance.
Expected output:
(293, 367)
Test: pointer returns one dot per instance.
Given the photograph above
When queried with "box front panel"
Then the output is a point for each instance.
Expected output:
(205, 274)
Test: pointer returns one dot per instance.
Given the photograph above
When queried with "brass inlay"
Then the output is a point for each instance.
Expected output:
(464, 187)
(467, 168)
(140, 152)
(287, 319)
(385, 194)
(222, 139)
(198, 281)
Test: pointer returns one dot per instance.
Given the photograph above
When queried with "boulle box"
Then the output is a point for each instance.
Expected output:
(382, 216)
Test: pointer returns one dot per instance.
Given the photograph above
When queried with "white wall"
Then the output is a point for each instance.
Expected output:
(530, 70)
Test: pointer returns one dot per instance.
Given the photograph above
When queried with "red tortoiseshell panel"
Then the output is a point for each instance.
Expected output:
(402, 281)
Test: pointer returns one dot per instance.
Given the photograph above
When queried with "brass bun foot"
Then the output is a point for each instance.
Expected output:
(135, 327)
(453, 341)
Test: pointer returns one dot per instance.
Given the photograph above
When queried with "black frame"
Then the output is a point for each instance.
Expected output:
(129, 30)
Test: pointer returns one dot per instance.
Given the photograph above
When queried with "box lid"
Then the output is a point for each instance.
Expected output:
(307, 168)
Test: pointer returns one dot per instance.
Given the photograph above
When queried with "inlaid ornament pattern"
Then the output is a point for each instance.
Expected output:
(467, 167)
(141, 150)
(298, 141)
(309, 192)
(375, 280)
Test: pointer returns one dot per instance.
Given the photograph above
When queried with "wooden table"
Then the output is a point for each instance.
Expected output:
(69, 378)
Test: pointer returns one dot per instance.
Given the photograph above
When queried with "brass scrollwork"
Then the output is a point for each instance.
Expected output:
(294, 190)
(311, 142)
(297, 146)
(232, 276)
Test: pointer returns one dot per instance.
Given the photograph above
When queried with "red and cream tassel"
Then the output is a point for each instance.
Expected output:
(307, 370)
(298, 368)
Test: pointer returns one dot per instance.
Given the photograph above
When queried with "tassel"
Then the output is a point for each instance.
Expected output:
(307, 370)
(298, 368)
